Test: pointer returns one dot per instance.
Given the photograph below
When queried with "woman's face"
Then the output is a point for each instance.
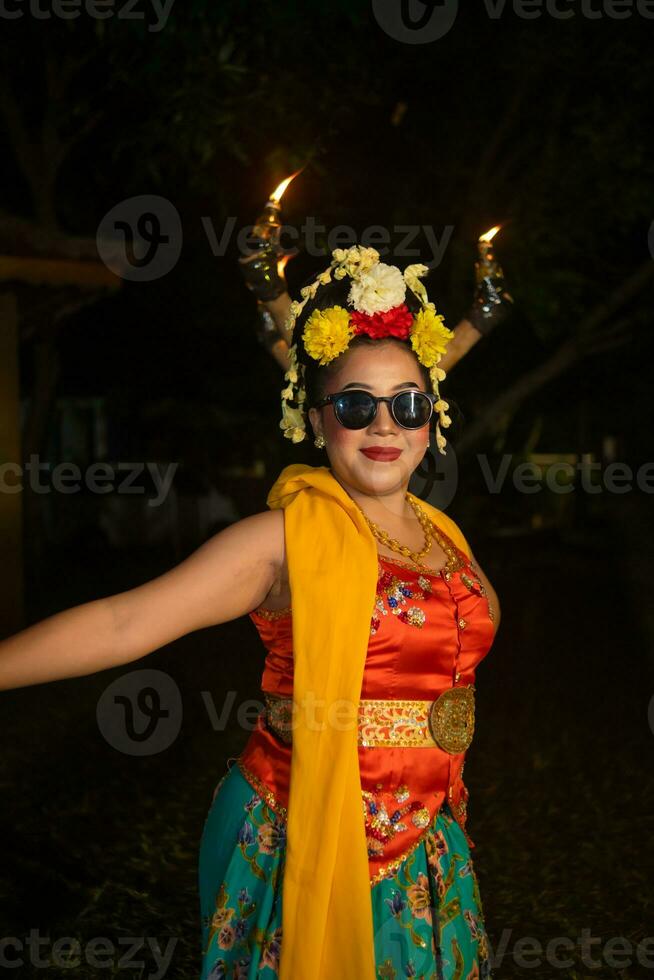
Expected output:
(383, 369)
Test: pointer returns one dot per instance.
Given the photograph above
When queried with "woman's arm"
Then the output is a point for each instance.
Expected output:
(225, 578)
(465, 337)
(493, 600)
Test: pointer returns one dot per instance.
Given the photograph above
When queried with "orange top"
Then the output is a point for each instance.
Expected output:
(428, 632)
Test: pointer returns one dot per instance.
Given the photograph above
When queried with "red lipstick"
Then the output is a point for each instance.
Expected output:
(381, 452)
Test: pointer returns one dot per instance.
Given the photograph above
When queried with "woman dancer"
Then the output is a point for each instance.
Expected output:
(337, 845)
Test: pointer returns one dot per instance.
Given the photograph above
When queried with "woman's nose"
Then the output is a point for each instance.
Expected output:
(383, 420)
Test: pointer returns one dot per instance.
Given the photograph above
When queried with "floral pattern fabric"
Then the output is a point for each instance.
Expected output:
(428, 919)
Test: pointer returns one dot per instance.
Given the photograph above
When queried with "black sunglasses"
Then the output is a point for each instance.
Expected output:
(355, 409)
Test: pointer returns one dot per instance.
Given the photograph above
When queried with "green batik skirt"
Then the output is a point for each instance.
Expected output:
(427, 920)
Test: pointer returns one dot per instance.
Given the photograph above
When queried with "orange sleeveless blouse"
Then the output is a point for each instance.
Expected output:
(428, 632)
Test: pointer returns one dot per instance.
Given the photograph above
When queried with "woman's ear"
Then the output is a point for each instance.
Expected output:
(314, 419)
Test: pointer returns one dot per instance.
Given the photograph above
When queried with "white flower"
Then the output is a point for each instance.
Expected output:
(378, 290)
(353, 261)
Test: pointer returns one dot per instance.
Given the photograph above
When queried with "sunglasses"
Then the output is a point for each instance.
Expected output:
(355, 409)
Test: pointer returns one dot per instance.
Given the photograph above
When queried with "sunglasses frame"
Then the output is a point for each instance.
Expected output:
(329, 399)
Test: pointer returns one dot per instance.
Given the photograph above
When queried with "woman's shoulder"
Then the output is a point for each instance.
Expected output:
(270, 525)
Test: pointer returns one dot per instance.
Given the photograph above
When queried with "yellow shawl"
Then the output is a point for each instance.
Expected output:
(327, 929)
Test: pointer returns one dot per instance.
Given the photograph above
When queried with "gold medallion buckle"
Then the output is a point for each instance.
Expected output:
(452, 719)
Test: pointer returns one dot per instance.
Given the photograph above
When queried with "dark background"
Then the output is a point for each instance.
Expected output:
(543, 125)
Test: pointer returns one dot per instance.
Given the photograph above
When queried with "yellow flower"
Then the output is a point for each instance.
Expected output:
(327, 333)
(292, 423)
(429, 337)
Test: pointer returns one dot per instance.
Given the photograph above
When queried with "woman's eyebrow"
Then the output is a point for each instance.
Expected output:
(359, 384)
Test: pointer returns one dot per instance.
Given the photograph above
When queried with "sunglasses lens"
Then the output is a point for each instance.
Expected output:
(354, 409)
(413, 409)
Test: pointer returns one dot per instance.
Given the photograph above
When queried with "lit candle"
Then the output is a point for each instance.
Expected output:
(491, 301)
(262, 266)
(263, 270)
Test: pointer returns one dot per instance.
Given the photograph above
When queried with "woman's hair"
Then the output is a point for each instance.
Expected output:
(316, 376)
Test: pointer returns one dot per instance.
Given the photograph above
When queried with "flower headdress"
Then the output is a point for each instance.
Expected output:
(378, 309)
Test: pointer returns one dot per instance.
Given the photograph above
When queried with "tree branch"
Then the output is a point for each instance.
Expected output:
(588, 340)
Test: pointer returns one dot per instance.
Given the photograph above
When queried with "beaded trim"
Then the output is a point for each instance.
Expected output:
(266, 795)
(271, 614)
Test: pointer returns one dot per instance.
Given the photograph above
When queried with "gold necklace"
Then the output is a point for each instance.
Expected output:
(392, 543)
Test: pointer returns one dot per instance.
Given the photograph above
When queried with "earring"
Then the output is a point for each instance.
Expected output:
(319, 442)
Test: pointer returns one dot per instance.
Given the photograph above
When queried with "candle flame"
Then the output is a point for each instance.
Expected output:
(489, 235)
(281, 265)
(279, 190)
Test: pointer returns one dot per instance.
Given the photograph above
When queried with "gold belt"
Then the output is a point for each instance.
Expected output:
(448, 722)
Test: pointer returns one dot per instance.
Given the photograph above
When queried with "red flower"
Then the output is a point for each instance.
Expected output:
(393, 323)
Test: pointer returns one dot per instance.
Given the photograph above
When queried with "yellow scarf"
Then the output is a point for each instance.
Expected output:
(327, 928)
